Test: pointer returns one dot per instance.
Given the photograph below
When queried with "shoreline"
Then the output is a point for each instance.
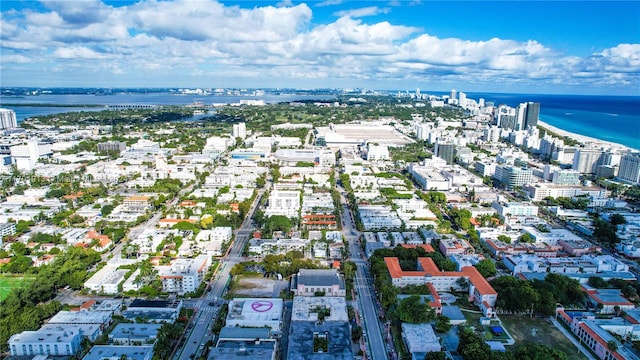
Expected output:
(583, 139)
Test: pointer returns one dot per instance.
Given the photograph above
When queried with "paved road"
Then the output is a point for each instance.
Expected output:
(367, 304)
(206, 308)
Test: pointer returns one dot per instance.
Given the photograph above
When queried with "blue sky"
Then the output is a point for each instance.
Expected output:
(576, 47)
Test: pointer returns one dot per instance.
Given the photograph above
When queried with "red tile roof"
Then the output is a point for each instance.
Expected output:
(429, 268)
(426, 247)
(481, 284)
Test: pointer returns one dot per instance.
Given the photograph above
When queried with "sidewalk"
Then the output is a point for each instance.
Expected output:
(572, 338)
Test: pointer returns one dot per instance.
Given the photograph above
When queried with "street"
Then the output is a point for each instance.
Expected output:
(206, 308)
(367, 303)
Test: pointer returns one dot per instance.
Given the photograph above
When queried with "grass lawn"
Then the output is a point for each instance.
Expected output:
(531, 330)
(8, 283)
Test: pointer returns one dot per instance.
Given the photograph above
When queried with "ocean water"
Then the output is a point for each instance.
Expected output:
(610, 118)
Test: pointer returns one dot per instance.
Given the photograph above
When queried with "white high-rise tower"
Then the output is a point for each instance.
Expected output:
(8, 119)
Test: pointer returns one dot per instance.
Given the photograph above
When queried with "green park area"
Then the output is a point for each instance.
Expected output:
(524, 329)
(7, 284)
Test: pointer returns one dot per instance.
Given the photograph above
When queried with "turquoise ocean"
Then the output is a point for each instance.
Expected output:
(610, 118)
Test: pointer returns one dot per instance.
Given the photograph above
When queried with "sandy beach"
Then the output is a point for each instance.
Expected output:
(586, 140)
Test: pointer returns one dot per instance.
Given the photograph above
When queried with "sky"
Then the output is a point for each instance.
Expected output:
(548, 47)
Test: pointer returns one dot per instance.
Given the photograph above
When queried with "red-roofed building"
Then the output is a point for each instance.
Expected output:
(235, 207)
(44, 260)
(188, 203)
(319, 221)
(168, 223)
(103, 243)
(607, 299)
(480, 291)
(427, 247)
(596, 334)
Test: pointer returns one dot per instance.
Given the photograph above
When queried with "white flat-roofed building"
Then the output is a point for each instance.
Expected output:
(156, 311)
(420, 339)
(149, 240)
(134, 334)
(322, 157)
(377, 152)
(305, 308)
(283, 202)
(256, 312)
(551, 236)
(629, 248)
(131, 284)
(102, 318)
(210, 241)
(515, 209)
(56, 343)
(378, 217)
(429, 178)
(184, 275)
(452, 245)
(113, 352)
(7, 229)
(276, 246)
(106, 280)
(89, 331)
(540, 191)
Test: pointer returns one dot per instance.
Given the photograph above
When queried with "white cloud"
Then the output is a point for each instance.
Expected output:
(205, 39)
(78, 52)
(329, 3)
(362, 12)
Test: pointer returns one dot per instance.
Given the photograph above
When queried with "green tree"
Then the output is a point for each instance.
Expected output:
(442, 324)
(279, 223)
(486, 268)
(617, 219)
(597, 282)
(18, 248)
(505, 239)
(414, 310)
(471, 346)
(526, 238)
(440, 355)
(532, 351)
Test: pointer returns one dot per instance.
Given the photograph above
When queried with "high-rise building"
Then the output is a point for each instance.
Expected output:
(586, 160)
(521, 116)
(630, 168)
(531, 117)
(7, 119)
(446, 151)
(453, 95)
(512, 176)
(506, 117)
(527, 115)
(462, 99)
(26, 155)
(239, 130)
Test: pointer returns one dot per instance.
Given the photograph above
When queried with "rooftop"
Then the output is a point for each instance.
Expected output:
(301, 341)
(100, 352)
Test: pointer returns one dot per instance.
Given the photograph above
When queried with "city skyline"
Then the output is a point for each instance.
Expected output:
(523, 47)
